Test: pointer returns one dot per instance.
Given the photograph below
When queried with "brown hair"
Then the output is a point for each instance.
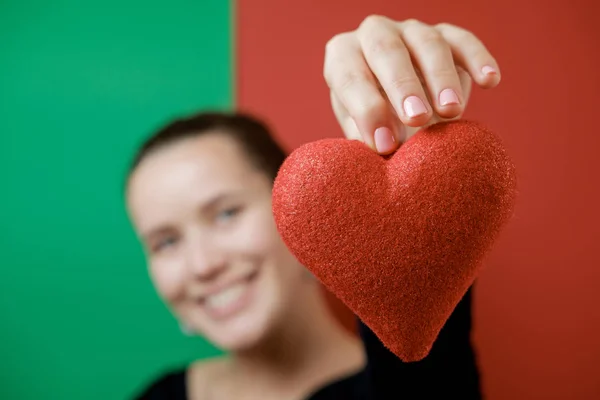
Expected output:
(251, 134)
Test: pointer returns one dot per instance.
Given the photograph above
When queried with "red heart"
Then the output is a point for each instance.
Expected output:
(398, 239)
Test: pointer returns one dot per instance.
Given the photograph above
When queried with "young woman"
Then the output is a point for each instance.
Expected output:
(199, 197)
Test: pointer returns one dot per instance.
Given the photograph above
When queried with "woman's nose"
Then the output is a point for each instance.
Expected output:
(205, 262)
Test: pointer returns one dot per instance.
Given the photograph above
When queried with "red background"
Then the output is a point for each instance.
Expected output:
(537, 308)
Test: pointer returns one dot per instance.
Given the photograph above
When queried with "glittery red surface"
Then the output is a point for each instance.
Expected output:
(398, 240)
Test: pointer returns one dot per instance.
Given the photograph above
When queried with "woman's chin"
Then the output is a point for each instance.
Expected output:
(240, 341)
(241, 334)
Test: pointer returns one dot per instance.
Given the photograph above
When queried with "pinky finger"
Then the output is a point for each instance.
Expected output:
(472, 55)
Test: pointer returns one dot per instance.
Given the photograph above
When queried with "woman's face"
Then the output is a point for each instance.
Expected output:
(203, 213)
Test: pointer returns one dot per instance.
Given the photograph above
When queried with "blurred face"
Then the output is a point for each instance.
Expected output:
(203, 213)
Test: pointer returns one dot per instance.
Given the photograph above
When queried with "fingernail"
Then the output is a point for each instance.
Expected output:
(448, 96)
(414, 106)
(385, 141)
(487, 70)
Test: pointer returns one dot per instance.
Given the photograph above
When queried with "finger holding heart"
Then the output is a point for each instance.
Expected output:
(388, 79)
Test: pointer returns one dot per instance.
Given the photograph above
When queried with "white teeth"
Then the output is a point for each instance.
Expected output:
(226, 297)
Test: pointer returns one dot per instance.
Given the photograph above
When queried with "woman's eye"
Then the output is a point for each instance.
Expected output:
(164, 243)
(227, 214)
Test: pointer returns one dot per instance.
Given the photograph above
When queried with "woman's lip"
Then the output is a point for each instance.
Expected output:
(223, 309)
(219, 288)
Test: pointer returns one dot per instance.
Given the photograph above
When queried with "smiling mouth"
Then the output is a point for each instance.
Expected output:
(231, 300)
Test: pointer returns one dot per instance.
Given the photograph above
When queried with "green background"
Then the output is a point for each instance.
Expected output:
(81, 83)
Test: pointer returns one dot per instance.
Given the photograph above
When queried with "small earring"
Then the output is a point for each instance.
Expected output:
(185, 329)
(309, 275)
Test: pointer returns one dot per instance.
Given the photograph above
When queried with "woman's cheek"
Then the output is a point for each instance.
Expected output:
(169, 278)
(257, 233)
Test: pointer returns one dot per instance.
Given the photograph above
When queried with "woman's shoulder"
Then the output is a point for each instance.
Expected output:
(170, 385)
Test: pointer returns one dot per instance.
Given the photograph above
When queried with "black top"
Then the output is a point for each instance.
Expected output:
(448, 372)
